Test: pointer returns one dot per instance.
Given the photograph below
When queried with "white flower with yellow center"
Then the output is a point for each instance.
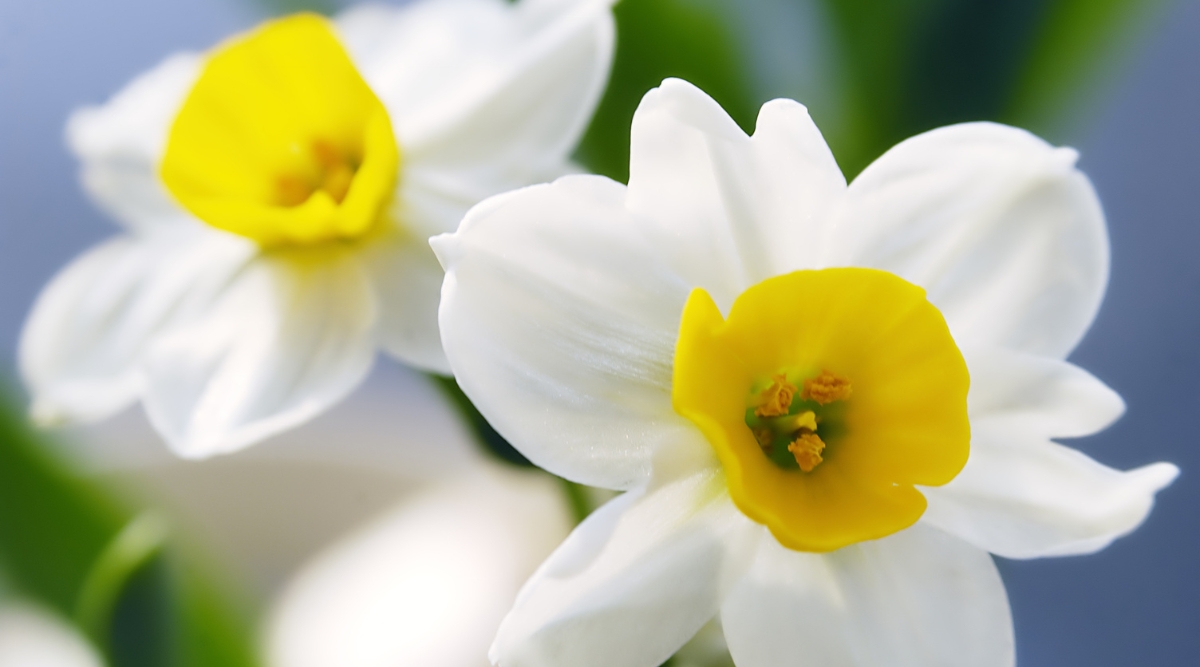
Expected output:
(278, 194)
(826, 402)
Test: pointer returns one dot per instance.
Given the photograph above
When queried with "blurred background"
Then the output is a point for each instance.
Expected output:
(1117, 79)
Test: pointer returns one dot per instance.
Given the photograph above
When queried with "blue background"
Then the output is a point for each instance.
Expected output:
(1137, 603)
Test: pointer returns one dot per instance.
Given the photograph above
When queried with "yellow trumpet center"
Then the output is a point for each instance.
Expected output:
(827, 396)
(281, 140)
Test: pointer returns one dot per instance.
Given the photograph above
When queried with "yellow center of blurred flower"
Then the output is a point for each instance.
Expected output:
(280, 139)
(827, 395)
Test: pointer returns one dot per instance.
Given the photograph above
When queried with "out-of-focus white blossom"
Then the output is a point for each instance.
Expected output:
(33, 637)
(426, 584)
(276, 196)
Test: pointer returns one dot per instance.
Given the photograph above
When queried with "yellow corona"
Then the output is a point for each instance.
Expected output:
(281, 140)
(828, 396)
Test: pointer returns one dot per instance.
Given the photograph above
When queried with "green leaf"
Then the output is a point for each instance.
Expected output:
(907, 67)
(52, 526)
(129, 551)
(1077, 41)
(657, 39)
(874, 51)
(211, 631)
(66, 542)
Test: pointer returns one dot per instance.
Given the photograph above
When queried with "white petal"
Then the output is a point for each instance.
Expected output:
(290, 337)
(1052, 398)
(485, 95)
(84, 339)
(1023, 496)
(120, 143)
(560, 323)
(32, 637)
(407, 280)
(426, 584)
(1000, 228)
(730, 210)
(634, 581)
(919, 598)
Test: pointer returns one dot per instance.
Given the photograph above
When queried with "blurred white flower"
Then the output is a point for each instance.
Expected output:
(277, 194)
(428, 583)
(774, 366)
(261, 512)
(33, 637)
(381, 509)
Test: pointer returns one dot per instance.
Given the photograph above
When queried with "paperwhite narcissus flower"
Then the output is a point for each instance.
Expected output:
(33, 637)
(775, 367)
(426, 584)
(277, 194)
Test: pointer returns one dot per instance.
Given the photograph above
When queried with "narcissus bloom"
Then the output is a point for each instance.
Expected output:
(826, 402)
(277, 194)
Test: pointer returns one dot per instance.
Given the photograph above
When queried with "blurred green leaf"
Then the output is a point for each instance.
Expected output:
(210, 632)
(911, 66)
(874, 42)
(52, 527)
(67, 543)
(1077, 41)
(657, 39)
(908, 67)
(128, 552)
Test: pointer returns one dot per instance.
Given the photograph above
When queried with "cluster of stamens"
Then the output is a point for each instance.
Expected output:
(773, 408)
(336, 172)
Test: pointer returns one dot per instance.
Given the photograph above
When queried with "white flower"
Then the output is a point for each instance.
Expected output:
(792, 436)
(428, 583)
(33, 637)
(364, 553)
(277, 194)
(263, 511)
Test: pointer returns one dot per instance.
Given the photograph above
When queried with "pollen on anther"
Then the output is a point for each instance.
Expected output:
(777, 398)
(807, 449)
(826, 388)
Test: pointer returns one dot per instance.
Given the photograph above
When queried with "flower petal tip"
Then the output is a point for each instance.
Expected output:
(447, 248)
(1160, 475)
(690, 105)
